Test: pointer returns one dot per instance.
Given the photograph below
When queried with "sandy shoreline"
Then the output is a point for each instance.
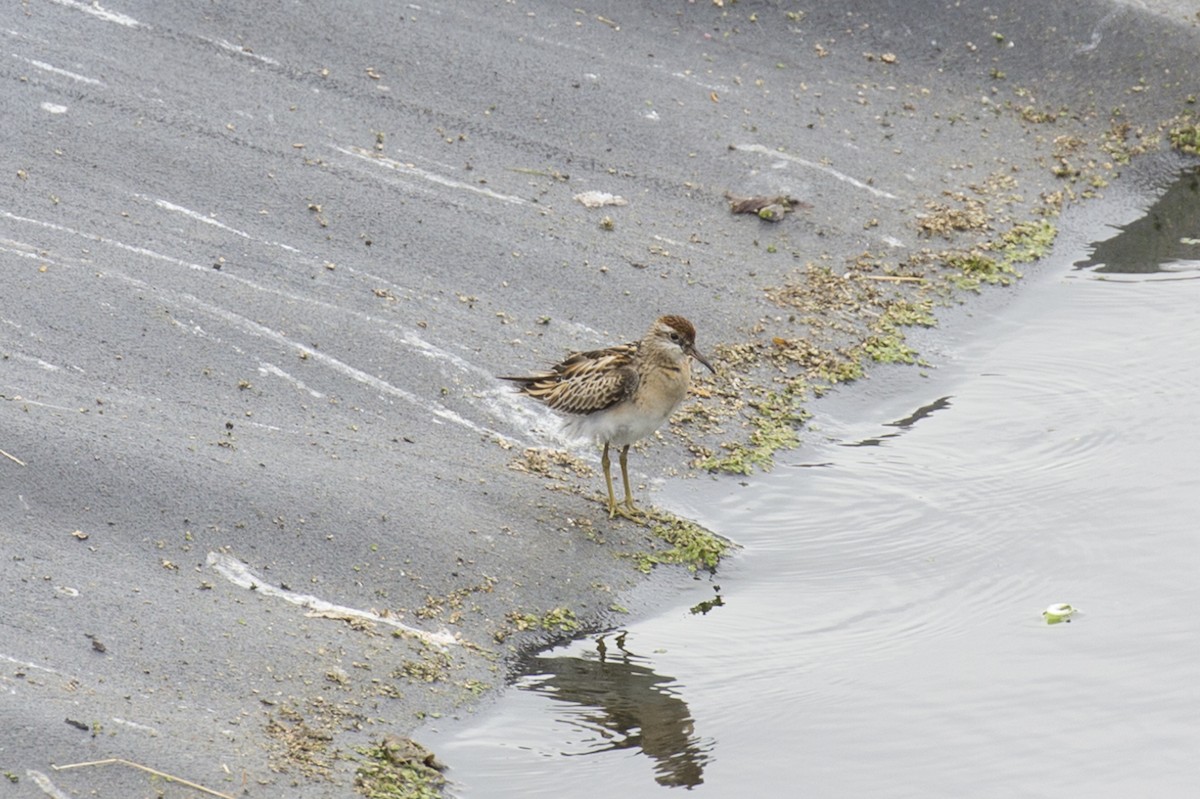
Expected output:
(264, 501)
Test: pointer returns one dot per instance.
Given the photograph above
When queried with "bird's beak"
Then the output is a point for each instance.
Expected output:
(699, 356)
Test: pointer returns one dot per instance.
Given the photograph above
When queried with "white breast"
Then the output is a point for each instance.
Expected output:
(657, 397)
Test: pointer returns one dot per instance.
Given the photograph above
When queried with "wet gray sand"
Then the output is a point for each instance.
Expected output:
(264, 502)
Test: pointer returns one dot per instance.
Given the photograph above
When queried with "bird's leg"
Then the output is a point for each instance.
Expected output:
(628, 511)
(607, 466)
(625, 476)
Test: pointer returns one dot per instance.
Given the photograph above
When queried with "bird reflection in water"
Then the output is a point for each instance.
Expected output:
(624, 704)
(1164, 240)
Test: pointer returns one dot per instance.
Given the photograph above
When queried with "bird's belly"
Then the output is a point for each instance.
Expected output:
(619, 426)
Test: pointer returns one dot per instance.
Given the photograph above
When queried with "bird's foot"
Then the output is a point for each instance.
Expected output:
(625, 510)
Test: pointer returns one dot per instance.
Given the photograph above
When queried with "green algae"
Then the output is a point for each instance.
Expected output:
(1184, 135)
(558, 619)
(773, 427)
(398, 768)
(689, 544)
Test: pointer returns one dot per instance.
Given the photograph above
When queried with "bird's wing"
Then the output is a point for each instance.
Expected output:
(585, 382)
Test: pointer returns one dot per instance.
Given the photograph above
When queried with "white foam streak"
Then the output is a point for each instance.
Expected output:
(100, 12)
(42, 65)
(423, 347)
(439, 411)
(242, 576)
(42, 781)
(233, 48)
(208, 220)
(26, 665)
(433, 177)
(795, 159)
(272, 369)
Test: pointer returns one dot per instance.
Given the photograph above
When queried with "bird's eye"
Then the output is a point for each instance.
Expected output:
(674, 337)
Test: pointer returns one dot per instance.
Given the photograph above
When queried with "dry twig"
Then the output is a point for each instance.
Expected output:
(154, 771)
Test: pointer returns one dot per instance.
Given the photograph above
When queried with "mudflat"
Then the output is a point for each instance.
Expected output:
(264, 505)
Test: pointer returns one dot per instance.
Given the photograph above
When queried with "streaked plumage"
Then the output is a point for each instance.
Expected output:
(620, 394)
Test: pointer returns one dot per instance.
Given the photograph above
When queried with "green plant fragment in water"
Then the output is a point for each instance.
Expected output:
(398, 768)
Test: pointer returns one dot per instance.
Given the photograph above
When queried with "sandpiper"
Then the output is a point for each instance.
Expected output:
(620, 394)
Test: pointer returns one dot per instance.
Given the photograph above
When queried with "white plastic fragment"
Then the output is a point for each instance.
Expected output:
(598, 199)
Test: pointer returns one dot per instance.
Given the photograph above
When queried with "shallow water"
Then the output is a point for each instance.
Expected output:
(881, 633)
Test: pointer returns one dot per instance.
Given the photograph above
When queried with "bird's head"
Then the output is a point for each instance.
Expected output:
(675, 331)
